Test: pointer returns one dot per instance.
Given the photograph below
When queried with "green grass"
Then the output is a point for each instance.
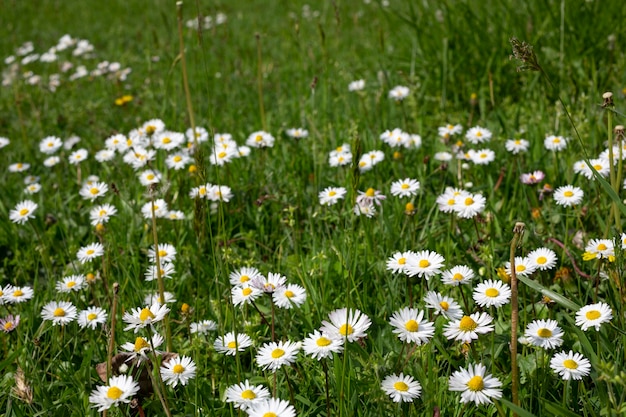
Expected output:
(445, 52)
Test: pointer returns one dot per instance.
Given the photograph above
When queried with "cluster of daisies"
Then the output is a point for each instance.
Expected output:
(64, 51)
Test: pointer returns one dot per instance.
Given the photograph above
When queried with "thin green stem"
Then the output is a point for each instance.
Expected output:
(518, 231)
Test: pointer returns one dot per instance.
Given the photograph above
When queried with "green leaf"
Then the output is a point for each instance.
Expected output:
(549, 293)
(516, 409)
(558, 410)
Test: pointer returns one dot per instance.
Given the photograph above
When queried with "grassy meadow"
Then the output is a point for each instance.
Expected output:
(387, 208)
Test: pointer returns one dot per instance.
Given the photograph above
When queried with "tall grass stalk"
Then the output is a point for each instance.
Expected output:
(518, 231)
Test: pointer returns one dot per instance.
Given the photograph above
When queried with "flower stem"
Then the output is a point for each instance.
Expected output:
(518, 231)
(116, 288)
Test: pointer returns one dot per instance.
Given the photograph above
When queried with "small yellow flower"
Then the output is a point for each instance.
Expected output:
(120, 101)
(503, 275)
(193, 169)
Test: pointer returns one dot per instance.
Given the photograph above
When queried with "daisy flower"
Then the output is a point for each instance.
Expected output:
(220, 157)
(475, 385)
(50, 144)
(445, 132)
(260, 139)
(405, 188)
(568, 196)
(161, 209)
(51, 161)
(92, 317)
(90, 252)
(231, 343)
(448, 200)
(9, 323)
(244, 294)
(593, 315)
(14, 295)
(78, 156)
(319, 345)
(19, 167)
(101, 214)
(356, 85)
(424, 264)
(492, 293)
(139, 350)
(544, 333)
(396, 138)
(273, 355)
(61, 313)
(244, 276)
(203, 327)
(599, 249)
(138, 318)
(349, 324)
(601, 166)
(179, 369)
(272, 407)
(555, 143)
(469, 327)
(23, 211)
(469, 206)
(516, 146)
(177, 161)
(155, 298)
(71, 283)
(478, 135)
(460, 274)
(166, 252)
(482, 156)
(444, 305)
(411, 327)
(152, 127)
(121, 389)
(269, 284)
(297, 133)
(532, 177)
(167, 270)
(289, 296)
(570, 365)
(370, 196)
(336, 159)
(331, 195)
(149, 177)
(523, 266)
(93, 190)
(398, 261)
(401, 388)
(104, 155)
(168, 140)
(200, 135)
(219, 193)
(542, 258)
(245, 396)
(399, 92)
(4, 142)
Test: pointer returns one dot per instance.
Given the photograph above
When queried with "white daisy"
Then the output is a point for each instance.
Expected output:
(297, 133)
(177, 161)
(166, 252)
(599, 249)
(482, 156)
(90, 252)
(50, 144)
(523, 266)
(231, 343)
(93, 190)
(570, 365)
(101, 214)
(61, 312)
(346, 324)
(273, 355)
(272, 407)
(244, 276)
(121, 389)
(179, 369)
(444, 305)
(23, 211)
(459, 274)
(319, 345)
(203, 327)
(492, 293)
(411, 327)
(244, 294)
(478, 134)
(149, 177)
(568, 196)
(445, 132)
(475, 385)
(401, 388)
(516, 146)
(92, 317)
(71, 283)
(469, 206)
(331, 195)
(399, 92)
(142, 346)
(260, 139)
(356, 85)
(269, 283)
(469, 327)
(398, 261)
(78, 156)
(161, 209)
(167, 270)
(14, 295)
(138, 318)
(245, 396)
(555, 143)
(425, 264)
(593, 315)
(543, 258)
(405, 188)
(544, 333)
(289, 296)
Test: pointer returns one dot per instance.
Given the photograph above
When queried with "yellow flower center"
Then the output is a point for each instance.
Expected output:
(94, 190)
(232, 345)
(346, 330)
(221, 155)
(467, 324)
(424, 263)
(59, 312)
(400, 386)
(91, 316)
(145, 314)
(412, 325)
(289, 294)
(444, 305)
(162, 252)
(18, 293)
(244, 278)
(457, 277)
(570, 364)
(141, 343)
(70, 284)
(492, 292)
(362, 164)
(24, 212)
(404, 186)
(370, 192)
(520, 268)
(556, 140)
(178, 158)
(248, 395)
(246, 291)
(102, 213)
(270, 414)
(593, 315)
(542, 260)
(483, 155)
(277, 353)
(568, 193)
(166, 140)
(479, 134)
(469, 201)
(601, 246)
(451, 202)
(258, 138)
(476, 383)
(543, 332)
(597, 167)
(332, 193)
(150, 176)
(178, 369)
(518, 142)
(8, 325)
(401, 261)
(114, 393)
(323, 341)
(90, 251)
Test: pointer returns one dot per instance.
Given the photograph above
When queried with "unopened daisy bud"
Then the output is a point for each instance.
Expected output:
(473, 99)
(397, 155)
(100, 228)
(619, 132)
(90, 278)
(193, 169)
(184, 308)
(607, 99)
(409, 209)
(503, 275)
